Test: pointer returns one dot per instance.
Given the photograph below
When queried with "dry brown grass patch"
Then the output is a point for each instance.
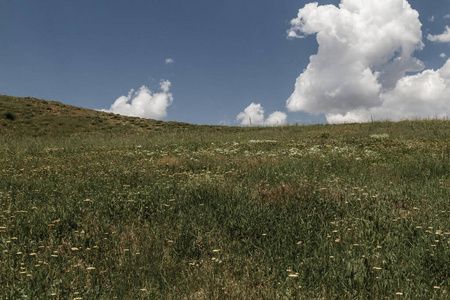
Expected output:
(172, 162)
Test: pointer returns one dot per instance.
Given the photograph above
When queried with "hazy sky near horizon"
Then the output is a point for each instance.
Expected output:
(258, 62)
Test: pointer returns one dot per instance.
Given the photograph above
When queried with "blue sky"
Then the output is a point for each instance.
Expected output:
(226, 55)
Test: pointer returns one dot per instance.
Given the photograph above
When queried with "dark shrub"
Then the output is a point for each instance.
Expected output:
(10, 116)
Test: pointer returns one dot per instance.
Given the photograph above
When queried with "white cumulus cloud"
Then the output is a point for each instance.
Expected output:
(442, 38)
(426, 94)
(443, 55)
(254, 115)
(143, 103)
(365, 49)
(276, 118)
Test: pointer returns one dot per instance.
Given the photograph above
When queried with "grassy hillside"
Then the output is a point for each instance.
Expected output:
(34, 117)
(95, 205)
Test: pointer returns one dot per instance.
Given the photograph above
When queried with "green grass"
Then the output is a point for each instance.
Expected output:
(98, 206)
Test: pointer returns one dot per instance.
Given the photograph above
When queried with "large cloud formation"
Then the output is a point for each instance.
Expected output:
(365, 49)
(254, 115)
(143, 103)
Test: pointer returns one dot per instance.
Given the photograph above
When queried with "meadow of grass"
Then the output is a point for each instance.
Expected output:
(176, 211)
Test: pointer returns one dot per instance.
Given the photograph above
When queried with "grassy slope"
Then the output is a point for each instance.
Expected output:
(96, 205)
(34, 117)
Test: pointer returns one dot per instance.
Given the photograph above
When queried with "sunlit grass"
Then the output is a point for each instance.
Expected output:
(300, 212)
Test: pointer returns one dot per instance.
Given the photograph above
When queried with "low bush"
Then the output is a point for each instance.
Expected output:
(10, 116)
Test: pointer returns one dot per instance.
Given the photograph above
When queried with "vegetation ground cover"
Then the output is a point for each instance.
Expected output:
(142, 209)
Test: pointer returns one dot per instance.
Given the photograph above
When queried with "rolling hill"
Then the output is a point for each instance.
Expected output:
(35, 117)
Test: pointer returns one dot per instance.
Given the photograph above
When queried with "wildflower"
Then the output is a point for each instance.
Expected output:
(293, 275)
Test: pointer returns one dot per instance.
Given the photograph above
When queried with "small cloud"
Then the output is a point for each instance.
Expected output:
(253, 115)
(431, 19)
(293, 35)
(447, 16)
(276, 118)
(169, 61)
(443, 55)
(442, 38)
(143, 103)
